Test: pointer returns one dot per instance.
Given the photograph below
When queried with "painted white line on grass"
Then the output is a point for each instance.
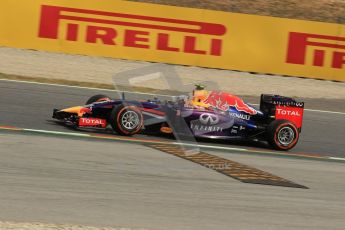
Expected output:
(113, 90)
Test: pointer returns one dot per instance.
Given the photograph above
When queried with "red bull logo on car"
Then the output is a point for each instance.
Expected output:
(223, 101)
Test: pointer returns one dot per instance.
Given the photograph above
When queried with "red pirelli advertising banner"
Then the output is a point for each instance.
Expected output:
(177, 35)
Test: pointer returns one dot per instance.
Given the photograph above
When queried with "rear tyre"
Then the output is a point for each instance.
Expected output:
(126, 120)
(282, 134)
(97, 98)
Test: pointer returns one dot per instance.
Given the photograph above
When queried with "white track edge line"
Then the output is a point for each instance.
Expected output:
(82, 87)
(209, 146)
(174, 143)
(337, 158)
(56, 132)
(322, 111)
(316, 110)
(113, 90)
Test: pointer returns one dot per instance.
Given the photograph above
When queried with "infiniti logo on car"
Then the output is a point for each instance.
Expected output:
(209, 119)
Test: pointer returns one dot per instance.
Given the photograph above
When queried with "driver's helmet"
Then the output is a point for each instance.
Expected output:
(199, 96)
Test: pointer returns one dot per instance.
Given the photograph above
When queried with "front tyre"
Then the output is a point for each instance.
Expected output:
(126, 120)
(282, 134)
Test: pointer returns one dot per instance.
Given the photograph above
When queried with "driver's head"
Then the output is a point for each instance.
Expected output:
(199, 93)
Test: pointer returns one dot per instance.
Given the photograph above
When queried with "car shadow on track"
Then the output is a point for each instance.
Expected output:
(167, 137)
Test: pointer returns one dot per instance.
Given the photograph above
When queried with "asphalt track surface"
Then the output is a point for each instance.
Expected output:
(96, 183)
(26, 105)
(110, 183)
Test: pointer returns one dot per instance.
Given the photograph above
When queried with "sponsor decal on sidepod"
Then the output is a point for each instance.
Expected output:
(92, 122)
(207, 123)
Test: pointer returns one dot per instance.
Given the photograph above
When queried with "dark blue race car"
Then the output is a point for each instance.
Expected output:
(207, 114)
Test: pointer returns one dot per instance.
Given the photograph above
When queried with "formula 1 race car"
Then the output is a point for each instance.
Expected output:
(206, 114)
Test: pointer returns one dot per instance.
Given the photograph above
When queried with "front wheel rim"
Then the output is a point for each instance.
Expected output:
(286, 135)
(130, 120)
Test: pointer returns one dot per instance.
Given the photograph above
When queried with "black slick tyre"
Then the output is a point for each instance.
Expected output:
(282, 134)
(126, 120)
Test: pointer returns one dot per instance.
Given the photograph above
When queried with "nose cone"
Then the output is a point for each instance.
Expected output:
(76, 109)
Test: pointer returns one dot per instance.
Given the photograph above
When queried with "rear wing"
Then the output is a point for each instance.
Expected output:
(283, 108)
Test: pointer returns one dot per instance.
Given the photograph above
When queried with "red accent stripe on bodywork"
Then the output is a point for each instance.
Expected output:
(156, 112)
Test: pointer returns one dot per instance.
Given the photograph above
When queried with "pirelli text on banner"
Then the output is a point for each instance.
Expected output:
(299, 43)
(137, 33)
(176, 35)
